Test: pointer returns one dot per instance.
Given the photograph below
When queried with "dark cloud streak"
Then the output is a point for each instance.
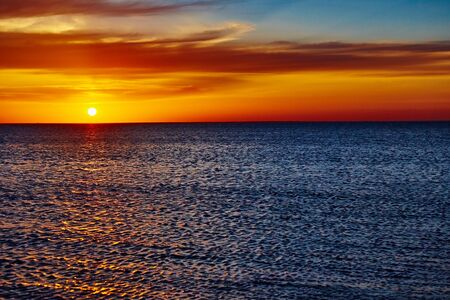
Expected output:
(341, 47)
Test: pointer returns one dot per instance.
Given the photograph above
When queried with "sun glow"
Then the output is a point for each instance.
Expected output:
(92, 111)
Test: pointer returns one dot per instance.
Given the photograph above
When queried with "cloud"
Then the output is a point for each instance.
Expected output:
(30, 8)
(189, 54)
(228, 32)
(179, 86)
(36, 93)
(341, 47)
(82, 84)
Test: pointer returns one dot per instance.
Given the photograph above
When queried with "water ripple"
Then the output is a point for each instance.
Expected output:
(236, 211)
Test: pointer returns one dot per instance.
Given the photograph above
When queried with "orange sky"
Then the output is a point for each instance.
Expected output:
(56, 63)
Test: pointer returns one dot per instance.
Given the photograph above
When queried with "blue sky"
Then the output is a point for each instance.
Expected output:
(349, 20)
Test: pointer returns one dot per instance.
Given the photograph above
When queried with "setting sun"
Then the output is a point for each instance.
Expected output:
(92, 111)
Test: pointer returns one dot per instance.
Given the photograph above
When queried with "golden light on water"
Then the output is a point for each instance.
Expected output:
(92, 111)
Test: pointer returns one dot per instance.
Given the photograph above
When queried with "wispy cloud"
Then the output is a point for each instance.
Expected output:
(36, 93)
(342, 47)
(115, 82)
(30, 8)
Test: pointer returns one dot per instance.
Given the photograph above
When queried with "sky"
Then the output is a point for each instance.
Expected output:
(224, 60)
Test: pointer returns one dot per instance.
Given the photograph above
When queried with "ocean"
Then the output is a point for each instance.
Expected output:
(225, 211)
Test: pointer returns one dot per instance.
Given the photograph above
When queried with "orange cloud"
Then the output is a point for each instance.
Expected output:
(92, 50)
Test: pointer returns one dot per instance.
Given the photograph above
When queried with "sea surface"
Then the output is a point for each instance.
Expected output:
(225, 211)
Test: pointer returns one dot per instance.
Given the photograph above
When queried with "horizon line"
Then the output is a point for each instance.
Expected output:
(227, 122)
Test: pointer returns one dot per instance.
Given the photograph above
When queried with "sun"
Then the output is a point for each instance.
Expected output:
(92, 111)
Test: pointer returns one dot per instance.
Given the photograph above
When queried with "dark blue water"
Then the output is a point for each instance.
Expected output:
(225, 211)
